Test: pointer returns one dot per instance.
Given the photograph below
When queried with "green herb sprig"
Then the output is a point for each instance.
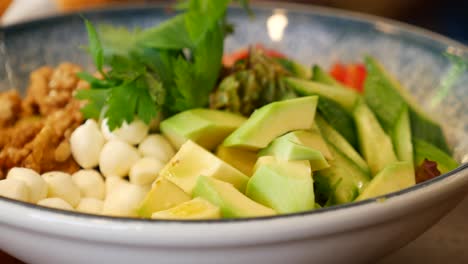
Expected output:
(168, 68)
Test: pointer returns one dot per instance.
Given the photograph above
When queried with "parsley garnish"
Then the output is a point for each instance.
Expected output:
(164, 69)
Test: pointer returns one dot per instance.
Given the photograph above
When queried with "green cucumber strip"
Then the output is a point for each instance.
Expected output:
(339, 119)
(387, 98)
(425, 150)
(333, 137)
(346, 98)
(401, 137)
(342, 182)
(376, 146)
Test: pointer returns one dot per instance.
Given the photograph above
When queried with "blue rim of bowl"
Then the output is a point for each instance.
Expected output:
(306, 9)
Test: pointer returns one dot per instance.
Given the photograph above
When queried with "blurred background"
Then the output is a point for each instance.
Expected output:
(448, 17)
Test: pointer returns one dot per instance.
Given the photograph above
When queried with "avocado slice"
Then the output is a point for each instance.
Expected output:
(285, 186)
(162, 196)
(310, 138)
(334, 138)
(241, 159)
(192, 160)
(342, 182)
(286, 148)
(195, 209)
(376, 146)
(206, 127)
(232, 203)
(425, 150)
(386, 97)
(273, 120)
(394, 177)
(346, 98)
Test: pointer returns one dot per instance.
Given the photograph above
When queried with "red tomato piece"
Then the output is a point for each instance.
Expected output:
(351, 75)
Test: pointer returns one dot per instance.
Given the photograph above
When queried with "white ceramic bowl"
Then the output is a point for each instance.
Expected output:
(353, 233)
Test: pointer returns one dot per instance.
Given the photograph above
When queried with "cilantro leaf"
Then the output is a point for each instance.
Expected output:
(95, 82)
(170, 34)
(96, 100)
(95, 47)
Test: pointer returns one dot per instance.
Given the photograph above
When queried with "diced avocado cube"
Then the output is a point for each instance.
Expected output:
(273, 120)
(192, 160)
(285, 186)
(241, 159)
(394, 177)
(206, 127)
(286, 148)
(163, 195)
(232, 203)
(195, 209)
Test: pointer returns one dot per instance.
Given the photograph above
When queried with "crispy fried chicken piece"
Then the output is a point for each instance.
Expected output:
(36, 134)
(10, 107)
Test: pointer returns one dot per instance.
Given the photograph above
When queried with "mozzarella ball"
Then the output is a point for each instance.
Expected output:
(117, 157)
(14, 189)
(124, 200)
(132, 133)
(56, 203)
(145, 171)
(112, 183)
(61, 185)
(90, 206)
(90, 183)
(157, 146)
(36, 185)
(86, 143)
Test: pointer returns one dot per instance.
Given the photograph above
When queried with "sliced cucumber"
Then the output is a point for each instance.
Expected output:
(347, 98)
(334, 138)
(401, 137)
(342, 182)
(339, 119)
(387, 97)
(425, 150)
(375, 145)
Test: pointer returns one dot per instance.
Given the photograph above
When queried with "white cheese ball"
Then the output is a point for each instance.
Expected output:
(157, 146)
(90, 206)
(56, 203)
(132, 133)
(61, 185)
(145, 171)
(86, 143)
(14, 189)
(36, 185)
(112, 183)
(117, 157)
(90, 183)
(124, 200)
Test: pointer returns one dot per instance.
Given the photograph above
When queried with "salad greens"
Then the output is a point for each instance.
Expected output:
(164, 69)
(368, 137)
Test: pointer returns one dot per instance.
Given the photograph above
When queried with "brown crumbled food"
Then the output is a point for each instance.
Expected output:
(36, 135)
(10, 107)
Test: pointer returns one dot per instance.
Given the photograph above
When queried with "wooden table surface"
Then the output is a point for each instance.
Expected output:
(445, 243)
